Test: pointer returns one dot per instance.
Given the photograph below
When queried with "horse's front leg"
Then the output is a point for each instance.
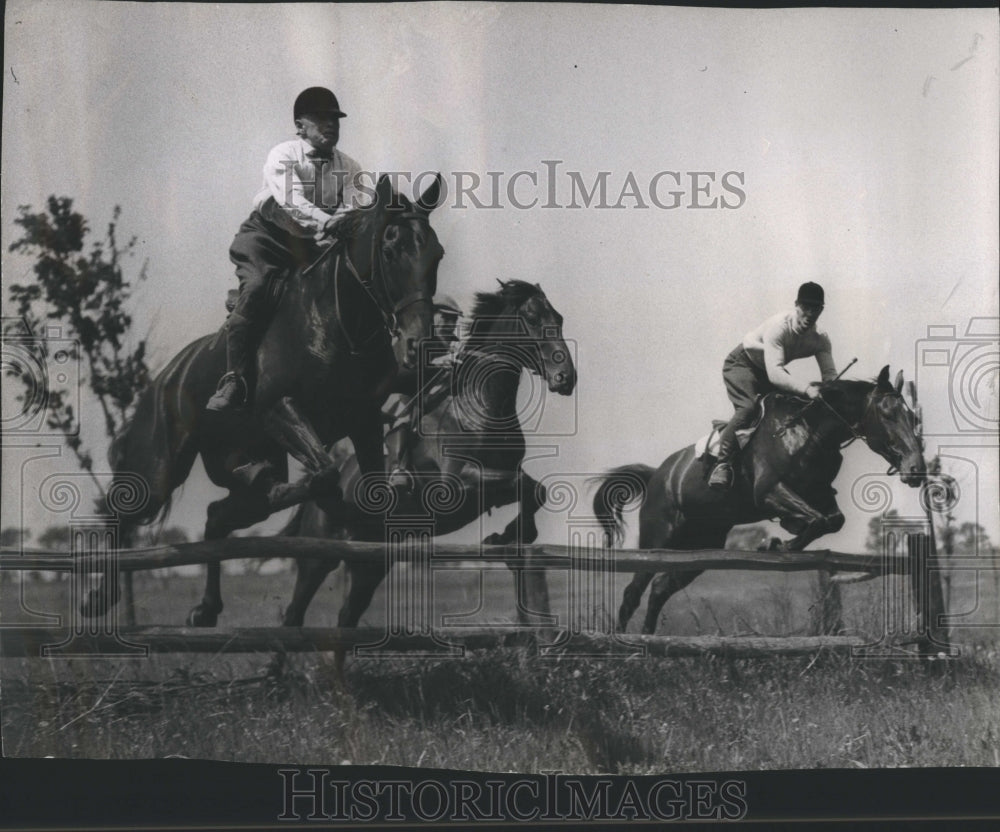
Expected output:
(530, 496)
(797, 514)
(531, 585)
(242, 508)
(285, 422)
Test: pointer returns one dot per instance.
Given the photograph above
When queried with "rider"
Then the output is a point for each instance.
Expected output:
(429, 385)
(757, 366)
(309, 187)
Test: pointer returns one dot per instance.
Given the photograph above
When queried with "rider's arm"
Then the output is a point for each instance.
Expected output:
(775, 361)
(827, 369)
(283, 180)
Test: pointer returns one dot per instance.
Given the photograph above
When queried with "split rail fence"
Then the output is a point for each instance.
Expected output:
(409, 629)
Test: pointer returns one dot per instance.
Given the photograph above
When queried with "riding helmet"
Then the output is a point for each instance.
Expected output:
(811, 293)
(316, 100)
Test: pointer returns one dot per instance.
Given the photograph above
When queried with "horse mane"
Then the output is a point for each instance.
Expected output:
(843, 386)
(355, 223)
(511, 293)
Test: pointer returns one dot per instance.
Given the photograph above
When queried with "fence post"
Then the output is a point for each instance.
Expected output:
(828, 609)
(531, 594)
(925, 582)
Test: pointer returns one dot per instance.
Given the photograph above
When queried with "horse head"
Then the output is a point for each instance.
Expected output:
(890, 429)
(404, 271)
(521, 318)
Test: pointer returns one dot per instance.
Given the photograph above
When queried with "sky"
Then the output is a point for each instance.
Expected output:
(860, 150)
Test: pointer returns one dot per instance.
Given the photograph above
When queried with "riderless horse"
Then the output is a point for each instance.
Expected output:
(324, 366)
(470, 445)
(785, 472)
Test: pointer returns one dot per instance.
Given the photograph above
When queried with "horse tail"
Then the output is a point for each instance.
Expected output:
(619, 487)
(154, 451)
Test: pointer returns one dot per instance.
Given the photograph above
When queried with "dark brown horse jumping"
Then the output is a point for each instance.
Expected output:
(471, 443)
(785, 472)
(324, 366)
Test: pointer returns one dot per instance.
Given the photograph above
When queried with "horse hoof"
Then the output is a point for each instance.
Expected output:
(494, 539)
(326, 484)
(201, 616)
(97, 604)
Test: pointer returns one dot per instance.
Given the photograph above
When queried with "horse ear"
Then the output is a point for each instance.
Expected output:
(383, 191)
(431, 198)
(883, 378)
(899, 382)
(911, 390)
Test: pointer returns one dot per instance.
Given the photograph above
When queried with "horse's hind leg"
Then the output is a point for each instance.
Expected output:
(665, 585)
(669, 583)
(656, 531)
(309, 577)
(237, 511)
(632, 597)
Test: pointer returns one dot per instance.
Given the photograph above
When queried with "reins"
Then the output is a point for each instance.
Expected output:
(389, 319)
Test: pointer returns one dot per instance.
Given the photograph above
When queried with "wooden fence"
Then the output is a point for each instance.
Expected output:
(527, 562)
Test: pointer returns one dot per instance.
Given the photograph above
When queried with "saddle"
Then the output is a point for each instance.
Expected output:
(707, 447)
(275, 291)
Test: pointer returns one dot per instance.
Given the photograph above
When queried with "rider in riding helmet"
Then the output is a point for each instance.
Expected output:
(309, 187)
(431, 385)
(758, 366)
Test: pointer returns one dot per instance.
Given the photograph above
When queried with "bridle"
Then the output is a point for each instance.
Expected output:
(377, 287)
(857, 429)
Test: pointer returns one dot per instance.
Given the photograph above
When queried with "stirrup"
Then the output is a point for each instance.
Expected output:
(722, 476)
(221, 402)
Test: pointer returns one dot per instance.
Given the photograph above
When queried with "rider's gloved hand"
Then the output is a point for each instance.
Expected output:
(812, 391)
(327, 235)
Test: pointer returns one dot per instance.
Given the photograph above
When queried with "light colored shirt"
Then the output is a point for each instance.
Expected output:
(777, 341)
(290, 174)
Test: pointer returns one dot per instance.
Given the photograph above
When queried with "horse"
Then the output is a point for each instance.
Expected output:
(784, 472)
(472, 437)
(338, 334)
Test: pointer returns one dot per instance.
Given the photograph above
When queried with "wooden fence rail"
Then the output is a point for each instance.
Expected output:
(445, 555)
(23, 642)
(918, 562)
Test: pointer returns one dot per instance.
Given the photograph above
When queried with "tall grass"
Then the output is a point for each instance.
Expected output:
(511, 710)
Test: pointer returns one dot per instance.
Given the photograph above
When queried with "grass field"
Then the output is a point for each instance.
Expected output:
(509, 710)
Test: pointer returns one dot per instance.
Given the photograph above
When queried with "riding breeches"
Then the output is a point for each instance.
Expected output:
(744, 380)
(264, 252)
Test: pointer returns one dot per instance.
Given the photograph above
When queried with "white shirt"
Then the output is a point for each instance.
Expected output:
(778, 341)
(290, 177)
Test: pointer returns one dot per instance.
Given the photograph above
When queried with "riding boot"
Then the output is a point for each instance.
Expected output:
(723, 476)
(233, 391)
